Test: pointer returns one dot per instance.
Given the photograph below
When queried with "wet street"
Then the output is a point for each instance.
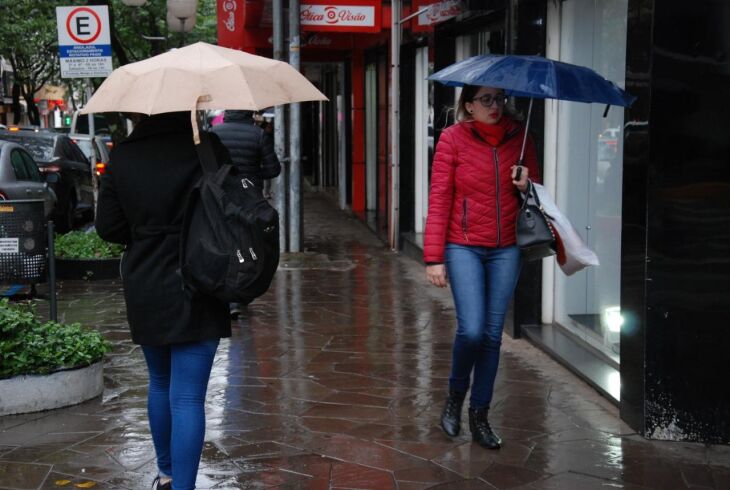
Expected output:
(336, 379)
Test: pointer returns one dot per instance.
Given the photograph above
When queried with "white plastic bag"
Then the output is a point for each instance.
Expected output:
(577, 254)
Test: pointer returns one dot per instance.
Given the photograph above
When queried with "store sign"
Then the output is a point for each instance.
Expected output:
(437, 12)
(84, 41)
(230, 23)
(350, 16)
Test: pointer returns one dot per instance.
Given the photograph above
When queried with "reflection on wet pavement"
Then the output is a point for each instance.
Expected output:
(335, 379)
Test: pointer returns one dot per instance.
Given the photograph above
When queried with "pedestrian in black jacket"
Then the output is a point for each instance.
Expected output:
(252, 152)
(251, 148)
(141, 203)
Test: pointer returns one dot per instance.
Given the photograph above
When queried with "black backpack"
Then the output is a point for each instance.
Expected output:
(229, 244)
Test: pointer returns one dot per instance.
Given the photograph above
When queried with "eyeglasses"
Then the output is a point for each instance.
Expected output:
(488, 99)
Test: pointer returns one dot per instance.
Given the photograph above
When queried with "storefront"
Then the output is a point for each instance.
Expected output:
(580, 315)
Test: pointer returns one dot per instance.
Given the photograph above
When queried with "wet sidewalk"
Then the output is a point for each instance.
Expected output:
(335, 379)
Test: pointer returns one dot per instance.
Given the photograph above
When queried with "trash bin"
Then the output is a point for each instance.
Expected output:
(23, 243)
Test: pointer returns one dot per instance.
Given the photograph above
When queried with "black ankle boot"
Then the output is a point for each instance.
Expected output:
(156, 485)
(451, 416)
(481, 431)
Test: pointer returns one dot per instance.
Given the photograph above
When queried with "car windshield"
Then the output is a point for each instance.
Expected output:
(40, 148)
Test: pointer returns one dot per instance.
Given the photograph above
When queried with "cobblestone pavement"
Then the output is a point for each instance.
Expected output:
(335, 379)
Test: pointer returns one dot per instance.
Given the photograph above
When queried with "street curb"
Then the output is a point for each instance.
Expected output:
(35, 393)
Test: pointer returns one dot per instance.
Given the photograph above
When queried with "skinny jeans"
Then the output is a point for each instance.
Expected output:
(179, 376)
(482, 282)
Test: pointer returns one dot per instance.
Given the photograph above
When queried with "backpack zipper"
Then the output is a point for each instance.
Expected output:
(245, 183)
(240, 257)
(253, 255)
(496, 184)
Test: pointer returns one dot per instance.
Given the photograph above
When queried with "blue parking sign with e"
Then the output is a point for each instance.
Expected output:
(84, 41)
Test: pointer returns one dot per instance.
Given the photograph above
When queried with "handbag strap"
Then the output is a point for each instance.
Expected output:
(531, 193)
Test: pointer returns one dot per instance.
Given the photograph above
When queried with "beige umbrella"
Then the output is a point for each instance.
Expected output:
(201, 76)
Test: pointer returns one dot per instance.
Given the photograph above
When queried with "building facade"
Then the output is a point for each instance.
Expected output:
(646, 187)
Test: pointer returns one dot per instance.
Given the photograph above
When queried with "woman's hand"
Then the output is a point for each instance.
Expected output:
(522, 183)
(436, 275)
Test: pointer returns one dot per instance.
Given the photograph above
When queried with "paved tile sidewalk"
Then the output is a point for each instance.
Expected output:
(335, 379)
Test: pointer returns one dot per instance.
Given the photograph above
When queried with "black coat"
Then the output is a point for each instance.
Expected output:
(251, 148)
(141, 201)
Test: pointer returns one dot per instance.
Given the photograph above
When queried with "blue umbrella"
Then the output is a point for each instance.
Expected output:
(534, 77)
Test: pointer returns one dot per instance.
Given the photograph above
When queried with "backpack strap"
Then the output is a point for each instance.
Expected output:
(206, 155)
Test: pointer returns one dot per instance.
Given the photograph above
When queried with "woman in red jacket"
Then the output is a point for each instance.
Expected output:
(470, 233)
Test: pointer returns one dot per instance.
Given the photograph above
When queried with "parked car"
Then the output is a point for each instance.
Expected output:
(110, 126)
(97, 152)
(56, 153)
(20, 178)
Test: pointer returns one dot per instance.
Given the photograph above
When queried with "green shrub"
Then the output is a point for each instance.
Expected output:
(83, 245)
(29, 346)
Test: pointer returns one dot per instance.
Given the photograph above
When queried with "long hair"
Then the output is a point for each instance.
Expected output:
(467, 94)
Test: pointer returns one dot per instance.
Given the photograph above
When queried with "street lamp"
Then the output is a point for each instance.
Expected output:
(181, 16)
(180, 24)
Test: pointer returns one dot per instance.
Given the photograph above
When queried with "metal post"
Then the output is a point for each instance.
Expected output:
(280, 130)
(320, 146)
(52, 272)
(295, 169)
(341, 138)
(92, 133)
(182, 24)
(394, 220)
(92, 129)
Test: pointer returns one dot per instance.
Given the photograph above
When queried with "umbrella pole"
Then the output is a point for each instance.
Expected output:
(524, 138)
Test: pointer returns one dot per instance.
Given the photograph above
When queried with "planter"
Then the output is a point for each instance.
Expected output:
(89, 269)
(34, 393)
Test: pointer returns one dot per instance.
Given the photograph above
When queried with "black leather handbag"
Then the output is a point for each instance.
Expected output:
(535, 235)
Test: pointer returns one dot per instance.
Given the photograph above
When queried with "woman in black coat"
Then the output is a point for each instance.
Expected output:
(141, 202)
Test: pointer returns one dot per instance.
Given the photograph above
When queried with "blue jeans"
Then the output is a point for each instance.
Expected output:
(176, 406)
(482, 282)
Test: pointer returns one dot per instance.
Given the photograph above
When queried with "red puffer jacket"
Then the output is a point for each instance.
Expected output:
(473, 200)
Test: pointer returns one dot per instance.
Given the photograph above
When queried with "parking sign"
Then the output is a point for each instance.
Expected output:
(84, 42)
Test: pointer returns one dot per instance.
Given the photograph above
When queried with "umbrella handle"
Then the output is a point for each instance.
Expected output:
(524, 138)
(196, 129)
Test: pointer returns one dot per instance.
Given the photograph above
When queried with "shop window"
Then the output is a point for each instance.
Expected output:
(589, 175)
